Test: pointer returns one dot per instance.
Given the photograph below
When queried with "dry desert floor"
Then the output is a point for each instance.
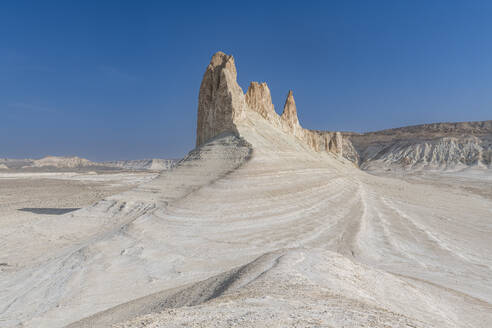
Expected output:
(248, 231)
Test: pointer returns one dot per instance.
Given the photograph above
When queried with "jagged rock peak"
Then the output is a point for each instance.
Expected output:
(223, 107)
(290, 111)
(259, 99)
(220, 61)
(221, 99)
(336, 144)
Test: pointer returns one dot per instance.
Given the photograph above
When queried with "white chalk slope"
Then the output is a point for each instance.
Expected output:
(155, 164)
(354, 248)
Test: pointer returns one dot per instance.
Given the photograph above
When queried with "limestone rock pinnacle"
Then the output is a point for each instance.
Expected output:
(336, 144)
(290, 111)
(259, 99)
(221, 99)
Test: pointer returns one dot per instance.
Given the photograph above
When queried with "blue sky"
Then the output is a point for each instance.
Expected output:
(119, 79)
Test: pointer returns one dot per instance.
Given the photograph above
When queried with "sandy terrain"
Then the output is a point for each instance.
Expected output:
(22, 193)
(394, 253)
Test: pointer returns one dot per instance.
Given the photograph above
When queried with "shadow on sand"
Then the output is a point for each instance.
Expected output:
(48, 210)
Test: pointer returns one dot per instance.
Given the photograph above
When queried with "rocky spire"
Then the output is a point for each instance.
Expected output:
(221, 99)
(259, 99)
(336, 144)
(222, 107)
(289, 116)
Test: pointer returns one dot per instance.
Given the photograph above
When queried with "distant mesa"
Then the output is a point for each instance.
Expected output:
(63, 162)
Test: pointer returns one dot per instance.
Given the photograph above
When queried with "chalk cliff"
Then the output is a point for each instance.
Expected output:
(426, 146)
(222, 105)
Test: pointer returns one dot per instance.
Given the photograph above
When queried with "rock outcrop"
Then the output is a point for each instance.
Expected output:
(289, 115)
(259, 99)
(221, 100)
(222, 105)
(63, 162)
(428, 146)
(156, 164)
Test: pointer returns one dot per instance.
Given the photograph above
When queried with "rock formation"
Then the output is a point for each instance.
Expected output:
(155, 164)
(221, 100)
(63, 162)
(222, 105)
(259, 99)
(289, 115)
(426, 146)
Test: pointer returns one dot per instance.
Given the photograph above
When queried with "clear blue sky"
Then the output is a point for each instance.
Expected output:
(119, 79)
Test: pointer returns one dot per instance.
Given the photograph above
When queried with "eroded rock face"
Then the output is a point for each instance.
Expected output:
(289, 116)
(446, 146)
(222, 105)
(259, 99)
(221, 99)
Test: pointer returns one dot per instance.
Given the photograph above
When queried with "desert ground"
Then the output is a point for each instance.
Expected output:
(29, 198)
(263, 224)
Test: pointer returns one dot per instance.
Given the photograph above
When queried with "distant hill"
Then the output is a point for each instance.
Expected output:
(63, 162)
(427, 146)
(155, 164)
(11, 163)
